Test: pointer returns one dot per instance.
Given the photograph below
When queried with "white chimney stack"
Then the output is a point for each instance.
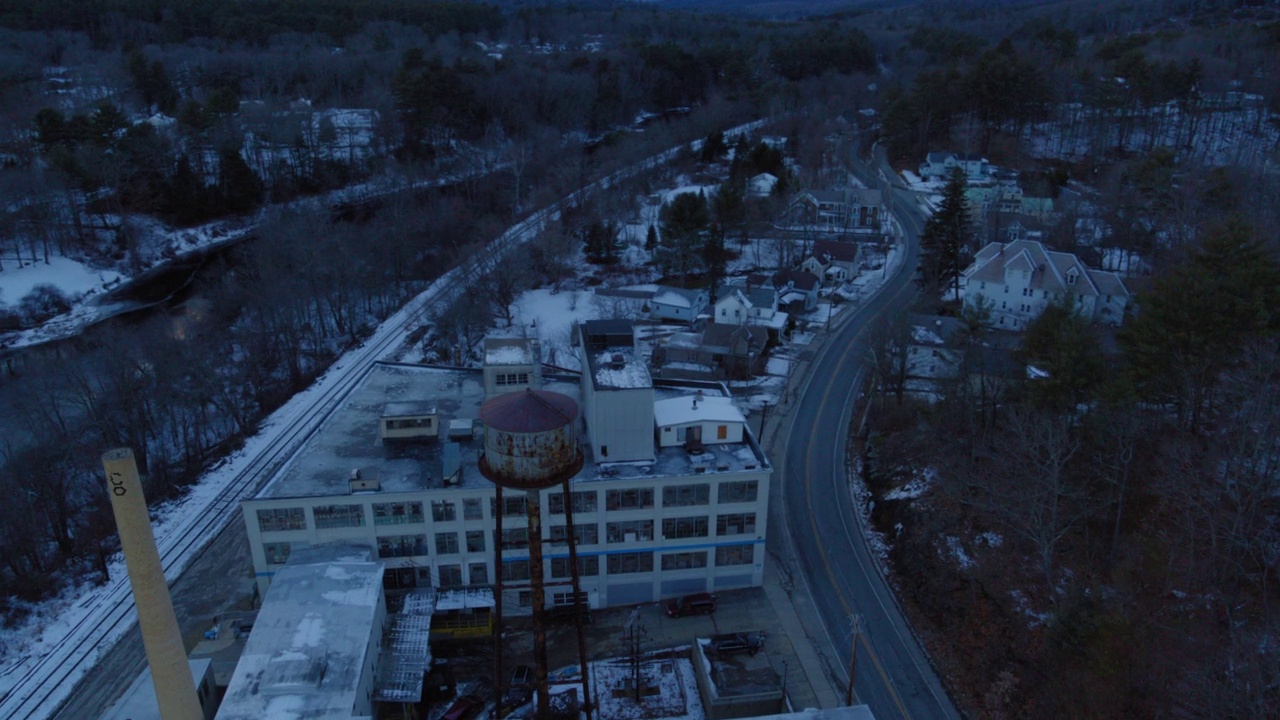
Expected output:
(175, 689)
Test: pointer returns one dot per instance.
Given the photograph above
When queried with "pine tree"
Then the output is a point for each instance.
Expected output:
(651, 239)
(944, 238)
(684, 229)
(1198, 320)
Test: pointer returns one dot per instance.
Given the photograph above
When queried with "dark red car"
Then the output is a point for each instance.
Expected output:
(464, 708)
(696, 604)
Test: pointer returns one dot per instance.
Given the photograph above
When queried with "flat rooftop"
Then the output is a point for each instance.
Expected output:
(306, 653)
(349, 439)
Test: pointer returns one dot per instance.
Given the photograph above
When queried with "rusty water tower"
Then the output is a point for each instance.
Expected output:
(531, 444)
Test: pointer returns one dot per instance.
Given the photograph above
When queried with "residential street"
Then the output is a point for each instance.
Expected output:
(893, 675)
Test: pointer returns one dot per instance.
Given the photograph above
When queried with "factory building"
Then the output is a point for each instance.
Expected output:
(672, 497)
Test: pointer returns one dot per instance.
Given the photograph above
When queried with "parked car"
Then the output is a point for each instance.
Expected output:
(519, 690)
(749, 643)
(439, 684)
(466, 707)
(696, 604)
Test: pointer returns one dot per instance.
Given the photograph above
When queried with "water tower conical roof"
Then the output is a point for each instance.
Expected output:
(531, 411)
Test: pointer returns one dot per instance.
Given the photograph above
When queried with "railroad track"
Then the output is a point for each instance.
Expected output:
(45, 684)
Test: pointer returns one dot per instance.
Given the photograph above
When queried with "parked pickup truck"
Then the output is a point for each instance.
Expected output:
(749, 643)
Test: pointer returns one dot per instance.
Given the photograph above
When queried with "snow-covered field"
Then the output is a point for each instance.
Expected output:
(73, 279)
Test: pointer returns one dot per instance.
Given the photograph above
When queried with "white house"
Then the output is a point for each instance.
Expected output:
(797, 286)
(938, 165)
(678, 304)
(1016, 281)
(749, 305)
(833, 261)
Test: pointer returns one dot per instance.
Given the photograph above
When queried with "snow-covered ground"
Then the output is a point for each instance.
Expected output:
(75, 280)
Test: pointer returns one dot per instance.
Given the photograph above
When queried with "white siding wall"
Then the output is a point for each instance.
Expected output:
(650, 585)
(620, 424)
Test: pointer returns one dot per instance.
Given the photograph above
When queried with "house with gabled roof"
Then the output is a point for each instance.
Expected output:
(833, 261)
(938, 165)
(718, 352)
(678, 304)
(750, 304)
(797, 289)
(1016, 281)
(851, 208)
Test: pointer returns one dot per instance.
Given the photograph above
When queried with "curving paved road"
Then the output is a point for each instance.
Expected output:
(893, 674)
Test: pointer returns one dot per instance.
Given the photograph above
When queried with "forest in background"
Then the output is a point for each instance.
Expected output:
(1134, 493)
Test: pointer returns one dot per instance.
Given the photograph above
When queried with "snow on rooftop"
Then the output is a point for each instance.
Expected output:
(691, 409)
(619, 368)
(499, 352)
(463, 598)
(306, 654)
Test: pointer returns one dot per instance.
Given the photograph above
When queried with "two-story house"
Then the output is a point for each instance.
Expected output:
(677, 304)
(834, 261)
(938, 165)
(855, 209)
(1016, 281)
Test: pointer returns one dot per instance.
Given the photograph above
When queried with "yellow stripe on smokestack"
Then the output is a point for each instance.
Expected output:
(175, 690)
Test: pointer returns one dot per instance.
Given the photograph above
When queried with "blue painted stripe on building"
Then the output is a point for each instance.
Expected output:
(669, 548)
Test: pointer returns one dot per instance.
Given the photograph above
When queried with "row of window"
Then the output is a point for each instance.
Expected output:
(624, 531)
(502, 379)
(518, 570)
(340, 516)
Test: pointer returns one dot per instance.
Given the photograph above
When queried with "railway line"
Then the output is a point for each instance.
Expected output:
(46, 683)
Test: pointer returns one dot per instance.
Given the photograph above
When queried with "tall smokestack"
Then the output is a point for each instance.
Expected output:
(175, 689)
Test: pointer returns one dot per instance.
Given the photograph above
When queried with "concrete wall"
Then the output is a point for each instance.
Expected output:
(709, 577)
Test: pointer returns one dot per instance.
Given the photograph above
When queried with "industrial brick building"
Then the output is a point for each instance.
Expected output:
(672, 497)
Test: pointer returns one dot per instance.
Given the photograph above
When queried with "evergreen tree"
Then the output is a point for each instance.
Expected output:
(600, 241)
(651, 239)
(714, 147)
(1198, 320)
(684, 234)
(240, 187)
(944, 238)
(1062, 344)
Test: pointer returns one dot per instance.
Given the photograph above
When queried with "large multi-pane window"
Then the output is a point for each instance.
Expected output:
(450, 576)
(338, 516)
(735, 555)
(511, 505)
(686, 495)
(736, 524)
(397, 513)
(443, 511)
(583, 502)
(277, 553)
(515, 570)
(517, 537)
(684, 560)
(479, 573)
(282, 519)
(629, 531)
(401, 545)
(630, 563)
(630, 499)
(587, 534)
(511, 378)
(687, 527)
(738, 491)
(472, 509)
(587, 567)
(475, 541)
(446, 543)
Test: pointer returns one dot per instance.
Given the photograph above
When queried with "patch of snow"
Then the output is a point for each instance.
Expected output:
(74, 279)
(956, 549)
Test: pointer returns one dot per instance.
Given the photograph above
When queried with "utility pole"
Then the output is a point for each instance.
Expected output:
(856, 632)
